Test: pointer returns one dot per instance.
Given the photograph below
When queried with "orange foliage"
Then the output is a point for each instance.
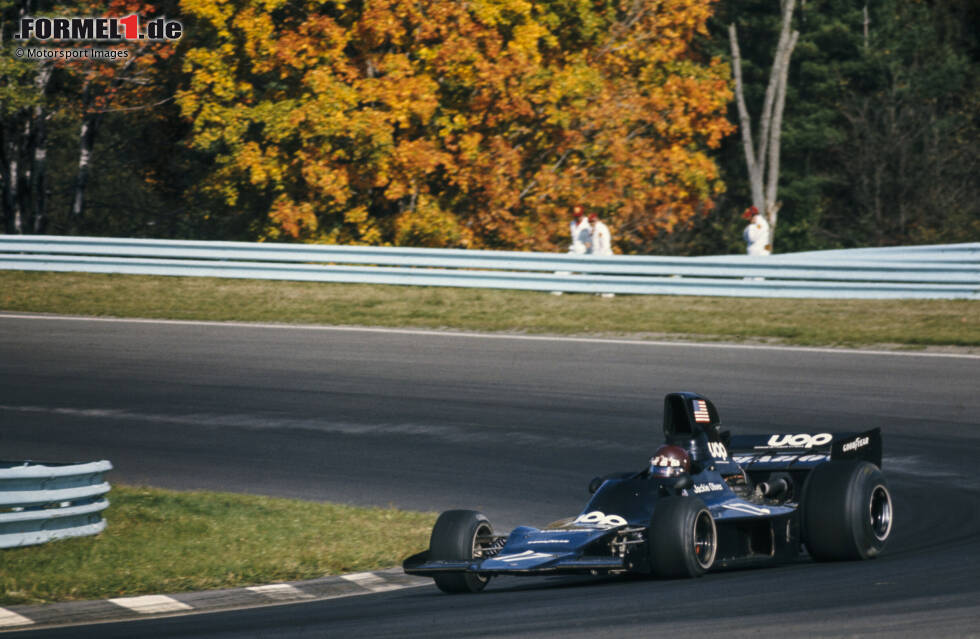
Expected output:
(457, 124)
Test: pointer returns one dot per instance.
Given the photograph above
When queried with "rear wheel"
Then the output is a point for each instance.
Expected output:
(682, 539)
(460, 535)
(846, 511)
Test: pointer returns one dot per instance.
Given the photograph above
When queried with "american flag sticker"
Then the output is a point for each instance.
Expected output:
(701, 411)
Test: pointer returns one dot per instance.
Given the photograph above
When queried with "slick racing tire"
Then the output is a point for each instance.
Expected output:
(458, 536)
(682, 539)
(846, 511)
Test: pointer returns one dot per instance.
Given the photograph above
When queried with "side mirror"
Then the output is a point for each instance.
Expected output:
(594, 484)
(684, 481)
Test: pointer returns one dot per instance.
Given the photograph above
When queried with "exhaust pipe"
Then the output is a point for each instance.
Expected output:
(774, 487)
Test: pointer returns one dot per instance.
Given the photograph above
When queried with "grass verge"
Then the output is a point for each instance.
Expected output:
(160, 541)
(905, 323)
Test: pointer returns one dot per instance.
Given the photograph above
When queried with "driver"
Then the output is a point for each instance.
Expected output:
(670, 461)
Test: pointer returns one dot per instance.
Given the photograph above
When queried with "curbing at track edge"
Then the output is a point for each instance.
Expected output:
(32, 616)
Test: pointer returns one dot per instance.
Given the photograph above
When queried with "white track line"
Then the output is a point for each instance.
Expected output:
(9, 618)
(471, 335)
(280, 592)
(151, 604)
(371, 581)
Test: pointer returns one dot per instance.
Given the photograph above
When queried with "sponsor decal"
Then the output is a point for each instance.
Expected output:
(803, 440)
(664, 461)
(550, 541)
(710, 487)
(523, 556)
(554, 531)
(701, 411)
(748, 509)
(860, 442)
(717, 450)
(779, 459)
(599, 519)
(814, 458)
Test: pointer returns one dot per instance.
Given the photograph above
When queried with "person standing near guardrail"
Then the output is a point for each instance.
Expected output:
(601, 242)
(581, 234)
(601, 238)
(756, 234)
(580, 230)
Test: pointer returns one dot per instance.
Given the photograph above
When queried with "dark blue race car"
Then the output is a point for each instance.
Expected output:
(707, 500)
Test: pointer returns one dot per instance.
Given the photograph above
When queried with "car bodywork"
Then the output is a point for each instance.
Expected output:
(751, 485)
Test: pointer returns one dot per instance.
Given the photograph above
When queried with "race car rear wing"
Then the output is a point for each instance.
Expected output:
(805, 449)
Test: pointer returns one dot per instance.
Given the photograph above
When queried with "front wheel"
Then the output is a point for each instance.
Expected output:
(682, 538)
(846, 511)
(460, 535)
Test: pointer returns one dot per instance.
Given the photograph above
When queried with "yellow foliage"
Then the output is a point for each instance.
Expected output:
(458, 124)
(428, 225)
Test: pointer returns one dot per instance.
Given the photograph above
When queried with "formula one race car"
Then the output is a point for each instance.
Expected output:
(707, 500)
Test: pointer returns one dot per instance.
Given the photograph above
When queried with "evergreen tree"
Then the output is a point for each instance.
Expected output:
(879, 132)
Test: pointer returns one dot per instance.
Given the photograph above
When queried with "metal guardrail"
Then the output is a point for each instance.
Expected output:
(43, 502)
(939, 271)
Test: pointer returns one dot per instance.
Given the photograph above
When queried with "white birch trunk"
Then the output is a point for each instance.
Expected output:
(762, 157)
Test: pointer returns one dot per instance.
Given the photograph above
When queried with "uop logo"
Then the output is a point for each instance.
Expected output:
(599, 519)
(799, 441)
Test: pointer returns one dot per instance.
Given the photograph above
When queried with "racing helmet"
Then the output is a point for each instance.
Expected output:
(670, 461)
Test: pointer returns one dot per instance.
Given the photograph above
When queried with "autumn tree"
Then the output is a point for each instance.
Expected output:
(41, 99)
(451, 124)
(24, 120)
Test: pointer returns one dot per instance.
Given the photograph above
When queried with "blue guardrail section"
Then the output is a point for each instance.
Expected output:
(41, 502)
(950, 271)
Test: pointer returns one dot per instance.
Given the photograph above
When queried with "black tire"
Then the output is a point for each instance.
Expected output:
(682, 539)
(847, 511)
(457, 536)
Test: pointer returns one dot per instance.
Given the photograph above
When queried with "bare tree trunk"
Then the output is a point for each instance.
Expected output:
(37, 184)
(762, 157)
(772, 184)
(39, 174)
(6, 197)
(867, 23)
(13, 190)
(745, 123)
(86, 140)
(91, 119)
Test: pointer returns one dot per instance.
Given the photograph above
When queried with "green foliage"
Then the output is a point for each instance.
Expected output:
(879, 134)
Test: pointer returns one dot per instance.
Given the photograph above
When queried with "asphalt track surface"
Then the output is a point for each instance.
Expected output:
(514, 428)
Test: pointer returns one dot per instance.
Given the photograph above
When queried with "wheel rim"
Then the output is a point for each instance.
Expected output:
(482, 540)
(705, 539)
(880, 510)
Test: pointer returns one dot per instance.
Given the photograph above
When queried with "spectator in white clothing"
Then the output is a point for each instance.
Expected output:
(601, 239)
(580, 230)
(756, 234)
